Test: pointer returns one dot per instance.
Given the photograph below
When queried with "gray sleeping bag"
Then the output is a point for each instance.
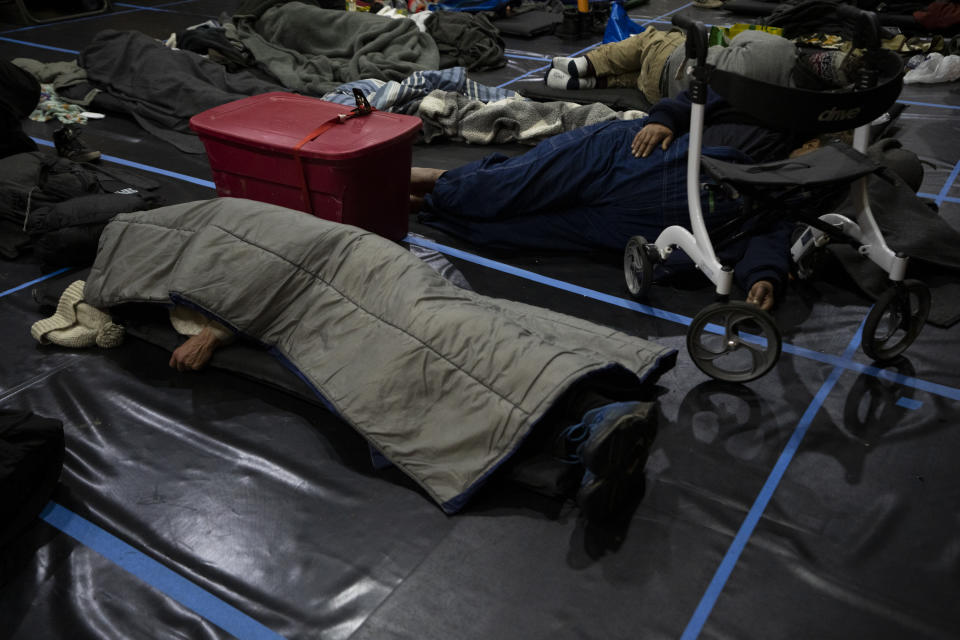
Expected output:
(444, 382)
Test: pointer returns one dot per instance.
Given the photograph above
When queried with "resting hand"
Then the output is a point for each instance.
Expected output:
(761, 294)
(195, 353)
(649, 137)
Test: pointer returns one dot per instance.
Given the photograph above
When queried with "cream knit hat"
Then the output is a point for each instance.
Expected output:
(76, 324)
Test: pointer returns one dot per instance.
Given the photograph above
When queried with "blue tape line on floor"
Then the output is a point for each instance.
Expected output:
(158, 576)
(929, 104)
(553, 282)
(907, 381)
(136, 7)
(930, 387)
(909, 403)
(38, 46)
(520, 57)
(172, 174)
(159, 7)
(107, 14)
(836, 361)
(521, 77)
(934, 196)
(136, 165)
(948, 184)
(702, 612)
(35, 281)
(97, 16)
(934, 388)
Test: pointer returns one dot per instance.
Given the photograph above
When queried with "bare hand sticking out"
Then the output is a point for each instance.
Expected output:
(649, 137)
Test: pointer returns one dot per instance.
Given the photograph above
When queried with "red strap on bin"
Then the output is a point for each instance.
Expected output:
(363, 108)
(304, 189)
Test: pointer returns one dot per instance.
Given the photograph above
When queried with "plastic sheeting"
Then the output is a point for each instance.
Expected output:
(249, 511)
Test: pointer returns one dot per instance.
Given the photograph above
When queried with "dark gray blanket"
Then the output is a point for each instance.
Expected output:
(466, 40)
(312, 50)
(162, 88)
(914, 229)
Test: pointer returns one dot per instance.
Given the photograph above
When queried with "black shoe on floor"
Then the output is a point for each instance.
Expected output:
(572, 26)
(599, 16)
(67, 141)
(612, 443)
(611, 498)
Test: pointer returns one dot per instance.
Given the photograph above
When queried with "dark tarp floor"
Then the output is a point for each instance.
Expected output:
(820, 501)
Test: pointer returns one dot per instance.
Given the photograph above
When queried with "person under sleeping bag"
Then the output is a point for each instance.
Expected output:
(592, 445)
(446, 384)
(595, 187)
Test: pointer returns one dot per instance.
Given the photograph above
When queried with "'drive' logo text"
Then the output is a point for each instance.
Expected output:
(834, 115)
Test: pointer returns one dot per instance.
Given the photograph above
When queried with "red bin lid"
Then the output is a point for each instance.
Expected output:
(278, 121)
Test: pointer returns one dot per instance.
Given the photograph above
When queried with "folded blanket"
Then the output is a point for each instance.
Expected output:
(456, 117)
(405, 96)
(162, 88)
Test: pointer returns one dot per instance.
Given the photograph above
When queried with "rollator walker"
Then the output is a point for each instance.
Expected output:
(739, 342)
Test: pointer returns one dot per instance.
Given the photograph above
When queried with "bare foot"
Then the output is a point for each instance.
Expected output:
(195, 353)
(423, 179)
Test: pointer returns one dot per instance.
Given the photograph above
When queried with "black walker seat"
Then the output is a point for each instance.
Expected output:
(807, 113)
(748, 343)
(829, 164)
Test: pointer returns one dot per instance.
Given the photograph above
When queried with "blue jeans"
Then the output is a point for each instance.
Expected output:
(582, 189)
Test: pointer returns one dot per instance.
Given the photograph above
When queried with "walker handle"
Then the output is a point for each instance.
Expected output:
(696, 37)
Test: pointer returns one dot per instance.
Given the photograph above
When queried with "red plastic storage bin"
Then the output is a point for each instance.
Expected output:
(300, 152)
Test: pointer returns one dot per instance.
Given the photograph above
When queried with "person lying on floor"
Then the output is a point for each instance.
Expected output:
(447, 384)
(595, 187)
(654, 62)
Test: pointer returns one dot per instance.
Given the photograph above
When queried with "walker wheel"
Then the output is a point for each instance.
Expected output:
(896, 320)
(743, 345)
(637, 267)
